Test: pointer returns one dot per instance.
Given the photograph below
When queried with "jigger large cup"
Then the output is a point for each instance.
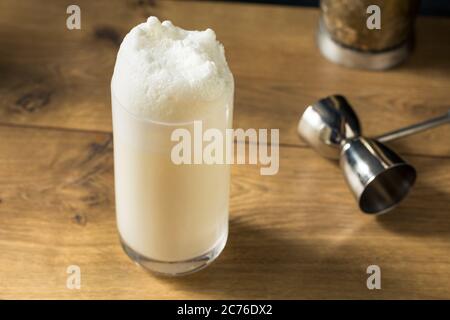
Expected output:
(377, 176)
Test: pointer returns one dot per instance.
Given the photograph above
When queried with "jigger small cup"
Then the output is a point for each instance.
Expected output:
(326, 124)
(378, 178)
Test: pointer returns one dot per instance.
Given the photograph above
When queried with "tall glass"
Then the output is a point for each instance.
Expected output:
(172, 219)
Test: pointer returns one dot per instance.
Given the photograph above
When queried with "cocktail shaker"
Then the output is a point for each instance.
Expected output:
(368, 34)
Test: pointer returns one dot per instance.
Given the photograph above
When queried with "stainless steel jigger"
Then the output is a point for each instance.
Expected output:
(377, 176)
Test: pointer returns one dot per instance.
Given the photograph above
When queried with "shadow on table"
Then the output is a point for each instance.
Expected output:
(426, 212)
(256, 264)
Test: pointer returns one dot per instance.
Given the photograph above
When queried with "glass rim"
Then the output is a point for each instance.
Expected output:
(150, 120)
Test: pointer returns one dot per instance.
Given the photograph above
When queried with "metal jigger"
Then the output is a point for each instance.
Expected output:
(377, 176)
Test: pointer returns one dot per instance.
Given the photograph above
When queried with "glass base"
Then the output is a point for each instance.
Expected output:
(352, 58)
(177, 268)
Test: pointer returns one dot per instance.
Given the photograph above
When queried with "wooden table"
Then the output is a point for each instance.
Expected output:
(297, 234)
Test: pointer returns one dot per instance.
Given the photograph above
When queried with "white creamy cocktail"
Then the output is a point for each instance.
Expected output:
(172, 219)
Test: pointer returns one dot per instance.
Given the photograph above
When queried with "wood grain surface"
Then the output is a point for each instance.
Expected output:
(297, 234)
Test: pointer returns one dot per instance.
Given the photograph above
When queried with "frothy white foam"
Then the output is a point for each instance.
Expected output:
(167, 73)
